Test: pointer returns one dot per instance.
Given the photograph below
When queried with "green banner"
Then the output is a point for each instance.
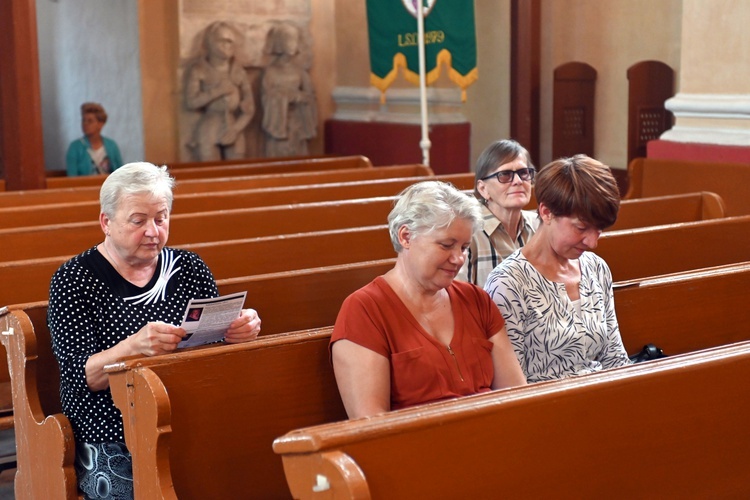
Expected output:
(449, 34)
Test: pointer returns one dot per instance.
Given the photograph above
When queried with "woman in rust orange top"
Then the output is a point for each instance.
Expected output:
(414, 335)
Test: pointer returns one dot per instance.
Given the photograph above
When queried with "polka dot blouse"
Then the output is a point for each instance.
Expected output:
(92, 308)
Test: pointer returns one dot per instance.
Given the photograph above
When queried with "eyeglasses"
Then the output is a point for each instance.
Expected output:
(506, 176)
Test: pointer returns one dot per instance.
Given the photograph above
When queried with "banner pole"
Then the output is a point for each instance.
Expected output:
(425, 142)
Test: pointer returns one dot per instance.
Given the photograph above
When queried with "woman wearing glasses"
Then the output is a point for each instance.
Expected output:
(503, 180)
(555, 293)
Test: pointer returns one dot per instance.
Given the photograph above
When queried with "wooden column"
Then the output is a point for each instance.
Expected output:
(525, 21)
(22, 147)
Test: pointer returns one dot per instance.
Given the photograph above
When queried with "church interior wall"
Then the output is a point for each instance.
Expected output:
(142, 96)
(611, 36)
(89, 51)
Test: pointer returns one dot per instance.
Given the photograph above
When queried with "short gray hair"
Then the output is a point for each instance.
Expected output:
(135, 178)
(429, 205)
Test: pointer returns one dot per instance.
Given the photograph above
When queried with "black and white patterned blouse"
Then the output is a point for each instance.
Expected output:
(552, 338)
(92, 308)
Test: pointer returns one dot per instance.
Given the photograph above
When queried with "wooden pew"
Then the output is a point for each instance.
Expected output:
(32, 275)
(650, 251)
(70, 238)
(239, 194)
(668, 209)
(228, 259)
(633, 213)
(675, 428)
(304, 298)
(65, 239)
(64, 196)
(207, 200)
(267, 254)
(655, 177)
(45, 447)
(224, 169)
(158, 425)
(320, 294)
(247, 161)
(268, 397)
(686, 311)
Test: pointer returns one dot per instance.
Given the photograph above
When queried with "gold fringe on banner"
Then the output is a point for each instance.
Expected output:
(443, 57)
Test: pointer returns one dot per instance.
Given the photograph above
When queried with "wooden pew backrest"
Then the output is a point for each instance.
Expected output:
(249, 394)
(234, 169)
(55, 240)
(81, 199)
(61, 213)
(305, 298)
(687, 311)
(32, 276)
(652, 251)
(656, 177)
(664, 420)
(668, 209)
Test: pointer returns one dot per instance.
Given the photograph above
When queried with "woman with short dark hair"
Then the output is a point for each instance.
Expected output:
(555, 293)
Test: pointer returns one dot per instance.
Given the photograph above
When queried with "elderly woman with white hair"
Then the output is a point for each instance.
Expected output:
(414, 335)
(122, 297)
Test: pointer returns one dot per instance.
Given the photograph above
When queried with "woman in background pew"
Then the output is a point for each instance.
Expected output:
(123, 297)
(503, 179)
(555, 293)
(414, 335)
(93, 153)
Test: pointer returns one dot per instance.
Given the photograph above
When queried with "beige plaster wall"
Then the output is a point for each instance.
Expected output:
(716, 47)
(324, 70)
(488, 104)
(353, 53)
(714, 102)
(611, 36)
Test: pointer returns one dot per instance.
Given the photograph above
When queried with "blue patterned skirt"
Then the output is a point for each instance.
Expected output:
(105, 471)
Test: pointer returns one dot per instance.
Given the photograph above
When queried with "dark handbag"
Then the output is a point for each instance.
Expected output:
(649, 352)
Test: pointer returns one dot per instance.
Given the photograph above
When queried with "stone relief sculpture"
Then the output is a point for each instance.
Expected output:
(287, 95)
(217, 86)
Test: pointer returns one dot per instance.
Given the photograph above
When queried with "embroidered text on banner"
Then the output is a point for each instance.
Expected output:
(450, 39)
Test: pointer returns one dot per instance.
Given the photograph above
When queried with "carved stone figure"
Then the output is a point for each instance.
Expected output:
(217, 86)
(287, 95)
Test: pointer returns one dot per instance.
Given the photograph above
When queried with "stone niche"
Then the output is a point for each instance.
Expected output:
(252, 25)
